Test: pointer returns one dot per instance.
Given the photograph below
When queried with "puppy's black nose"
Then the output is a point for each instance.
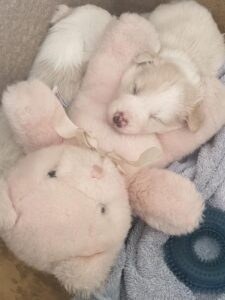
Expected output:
(119, 120)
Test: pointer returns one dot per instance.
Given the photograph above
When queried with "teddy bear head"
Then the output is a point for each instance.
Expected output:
(65, 211)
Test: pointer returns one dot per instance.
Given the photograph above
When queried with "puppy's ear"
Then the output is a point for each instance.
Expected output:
(195, 114)
(145, 58)
(196, 118)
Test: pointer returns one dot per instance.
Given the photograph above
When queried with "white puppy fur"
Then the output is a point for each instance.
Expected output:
(64, 54)
(162, 93)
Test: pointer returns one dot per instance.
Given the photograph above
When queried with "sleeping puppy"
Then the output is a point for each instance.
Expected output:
(162, 93)
(64, 54)
(154, 97)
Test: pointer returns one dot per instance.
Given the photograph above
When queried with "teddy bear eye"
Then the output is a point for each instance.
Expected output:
(103, 209)
(52, 174)
(134, 91)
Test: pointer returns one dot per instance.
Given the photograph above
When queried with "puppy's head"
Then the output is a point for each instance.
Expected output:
(154, 97)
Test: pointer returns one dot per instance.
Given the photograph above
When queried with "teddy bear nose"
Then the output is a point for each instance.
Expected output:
(119, 119)
(97, 172)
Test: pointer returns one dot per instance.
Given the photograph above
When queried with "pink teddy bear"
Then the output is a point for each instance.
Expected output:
(64, 209)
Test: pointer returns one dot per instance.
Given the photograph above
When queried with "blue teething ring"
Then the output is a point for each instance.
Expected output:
(199, 275)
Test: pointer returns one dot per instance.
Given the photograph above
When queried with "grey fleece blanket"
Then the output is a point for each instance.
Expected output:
(140, 272)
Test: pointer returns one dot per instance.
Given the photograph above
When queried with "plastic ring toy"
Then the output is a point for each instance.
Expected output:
(198, 274)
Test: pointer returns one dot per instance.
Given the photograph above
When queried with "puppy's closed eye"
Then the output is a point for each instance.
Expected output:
(144, 58)
(154, 117)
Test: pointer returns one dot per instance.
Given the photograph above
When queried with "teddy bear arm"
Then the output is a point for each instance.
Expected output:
(29, 107)
(166, 201)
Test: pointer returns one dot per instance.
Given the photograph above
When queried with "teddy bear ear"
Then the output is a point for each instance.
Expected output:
(29, 107)
(8, 215)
